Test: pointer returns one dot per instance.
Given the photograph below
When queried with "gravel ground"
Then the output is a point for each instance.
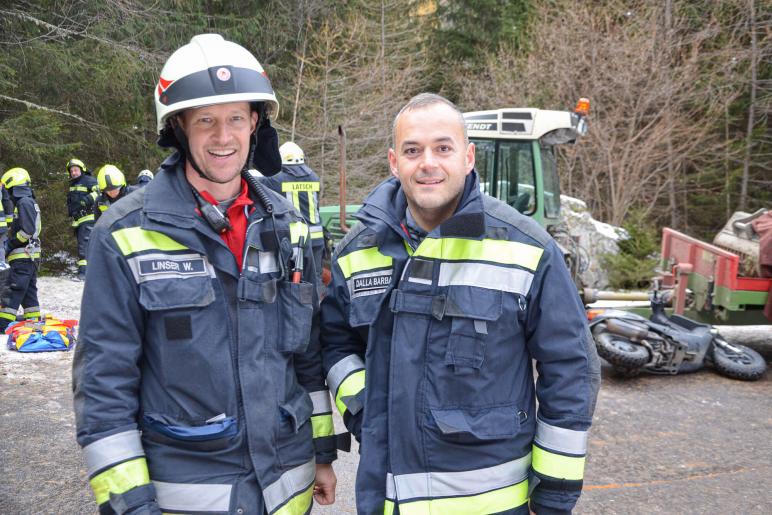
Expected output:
(698, 443)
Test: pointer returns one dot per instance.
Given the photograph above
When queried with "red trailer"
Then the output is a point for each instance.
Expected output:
(707, 284)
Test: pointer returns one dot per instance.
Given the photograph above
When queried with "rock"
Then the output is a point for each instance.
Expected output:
(593, 239)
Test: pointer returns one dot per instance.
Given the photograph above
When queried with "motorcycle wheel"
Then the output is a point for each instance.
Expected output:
(620, 351)
(747, 365)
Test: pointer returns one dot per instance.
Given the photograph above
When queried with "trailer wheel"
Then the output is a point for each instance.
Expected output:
(746, 365)
(620, 351)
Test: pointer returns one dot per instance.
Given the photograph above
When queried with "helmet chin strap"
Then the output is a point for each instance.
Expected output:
(182, 140)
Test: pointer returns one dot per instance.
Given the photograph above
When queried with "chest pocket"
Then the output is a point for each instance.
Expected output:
(470, 309)
(176, 293)
(363, 310)
(294, 305)
(296, 310)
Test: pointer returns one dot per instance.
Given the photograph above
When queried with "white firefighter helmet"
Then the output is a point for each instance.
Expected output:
(291, 154)
(146, 173)
(210, 70)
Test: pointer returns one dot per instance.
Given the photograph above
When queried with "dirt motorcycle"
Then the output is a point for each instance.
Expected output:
(668, 345)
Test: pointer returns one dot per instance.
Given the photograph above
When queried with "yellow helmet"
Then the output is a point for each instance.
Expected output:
(16, 177)
(76, 162)
(291, 154)
(110, 177)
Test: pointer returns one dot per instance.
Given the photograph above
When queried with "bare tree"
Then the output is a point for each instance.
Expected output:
(360, 66)
(751, 106)
(652, 119)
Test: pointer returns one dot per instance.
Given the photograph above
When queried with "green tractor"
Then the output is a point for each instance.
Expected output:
(515, 159)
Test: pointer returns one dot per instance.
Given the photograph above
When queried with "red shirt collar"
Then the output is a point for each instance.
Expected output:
(242, 200)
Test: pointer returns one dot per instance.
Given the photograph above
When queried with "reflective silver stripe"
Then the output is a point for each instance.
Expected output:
(321, 400)
(134, 265)
(341, 370)
(112, 449)
(391, 487)
(32, 309)
(316, 229)
(289, 484)
(514, 280)
(12, 311)
(268, 262)
(186, 497)
(560, 439)
(468, 482)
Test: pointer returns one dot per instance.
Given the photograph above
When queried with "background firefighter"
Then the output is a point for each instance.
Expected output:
(112, 184)
(301, 185)
(22, 249)
(81, 199)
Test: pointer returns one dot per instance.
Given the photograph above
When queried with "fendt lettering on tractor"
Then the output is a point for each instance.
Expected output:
(515, 159)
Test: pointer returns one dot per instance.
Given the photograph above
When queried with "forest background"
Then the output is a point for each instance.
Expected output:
(681, 90)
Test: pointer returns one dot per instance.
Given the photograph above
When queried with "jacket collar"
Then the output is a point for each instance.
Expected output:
(169, 194)
(387, 203)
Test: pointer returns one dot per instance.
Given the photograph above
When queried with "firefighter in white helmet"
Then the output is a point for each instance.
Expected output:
(144, 177)
(198, 380)
(301, 185)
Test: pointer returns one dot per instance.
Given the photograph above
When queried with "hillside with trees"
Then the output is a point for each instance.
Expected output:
(681, 90)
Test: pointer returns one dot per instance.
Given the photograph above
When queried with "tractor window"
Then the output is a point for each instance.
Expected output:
(551, 182)
(485, 161)
(515, 183)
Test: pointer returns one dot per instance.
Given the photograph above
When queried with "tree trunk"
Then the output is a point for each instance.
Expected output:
(751, 110)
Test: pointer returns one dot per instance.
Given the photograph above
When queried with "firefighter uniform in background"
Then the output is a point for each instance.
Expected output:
(112, 184)
(428, 342)
(144, 178)
(301, 186)
(5, 203)
(81, 199)
(198, 383)
(22, 250)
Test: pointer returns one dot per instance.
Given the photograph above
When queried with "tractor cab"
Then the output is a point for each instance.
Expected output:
(515, 155)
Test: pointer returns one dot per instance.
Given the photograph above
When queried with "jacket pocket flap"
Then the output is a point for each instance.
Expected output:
(473, 302)
(297, 410)
(161, 294)
(487, 423)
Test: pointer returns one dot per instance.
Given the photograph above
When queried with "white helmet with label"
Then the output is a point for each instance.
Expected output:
(291, 154)
(210, 70)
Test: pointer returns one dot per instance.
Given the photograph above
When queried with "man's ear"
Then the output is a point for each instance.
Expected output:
(470, 149)
(393, 163)
(255, 117)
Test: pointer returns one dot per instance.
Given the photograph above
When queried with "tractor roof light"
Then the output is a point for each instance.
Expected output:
(582, 107)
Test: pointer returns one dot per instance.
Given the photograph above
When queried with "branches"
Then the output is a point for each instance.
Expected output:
(33, 105)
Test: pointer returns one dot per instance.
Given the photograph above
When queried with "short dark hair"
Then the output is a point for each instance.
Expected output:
(425, 100)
